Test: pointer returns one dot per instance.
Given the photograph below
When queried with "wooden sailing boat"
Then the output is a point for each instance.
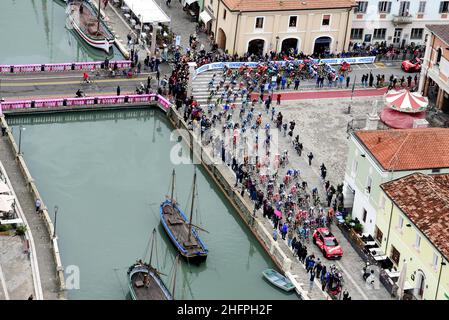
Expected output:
(144, 280)
(85, 19)
(183, 234)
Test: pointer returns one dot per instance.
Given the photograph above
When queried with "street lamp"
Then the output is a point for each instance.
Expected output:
(277, 42)
(21, 128)
(56, 215)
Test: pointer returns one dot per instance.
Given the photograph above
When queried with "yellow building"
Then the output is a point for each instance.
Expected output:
(412, 228)
(255, 26)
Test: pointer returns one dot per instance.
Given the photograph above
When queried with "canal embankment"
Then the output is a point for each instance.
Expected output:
(47, 267)
(279, 252)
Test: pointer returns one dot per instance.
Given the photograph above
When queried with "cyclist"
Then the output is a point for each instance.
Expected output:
(86, 77)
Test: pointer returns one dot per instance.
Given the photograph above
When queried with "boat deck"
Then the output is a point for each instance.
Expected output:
(87, 21)
(150, 292)
(180, 229)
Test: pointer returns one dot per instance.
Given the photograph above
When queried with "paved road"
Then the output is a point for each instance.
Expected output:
(351, 264)
(57, 85)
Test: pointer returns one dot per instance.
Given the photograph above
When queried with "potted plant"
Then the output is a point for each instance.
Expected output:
(5, 229)
(20, 230)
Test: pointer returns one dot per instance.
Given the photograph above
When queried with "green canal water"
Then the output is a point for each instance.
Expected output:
(108, 172)
(33, 31)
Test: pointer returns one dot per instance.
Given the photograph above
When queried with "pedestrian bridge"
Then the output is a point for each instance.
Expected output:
(60, 104)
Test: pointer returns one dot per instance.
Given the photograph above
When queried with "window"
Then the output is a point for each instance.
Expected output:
(356, 33)
(416, 33)
(224, 14)
(365, 213)
(404, 8)
(326, 20)
(292, 21)
(379, 34)
(369, 182)
(400, 222)
(436, 170)
(444, 6)
(379, 235)
(422, 7)
(361, 7)
(435, 261)
(384, 6)
(439, 54)
(395, 255)
(259, 23)
(417, 241)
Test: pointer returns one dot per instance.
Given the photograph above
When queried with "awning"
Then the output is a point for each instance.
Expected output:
(205, 16)
(147, 11)
(11, 221)
(189, 2)
(3, 187)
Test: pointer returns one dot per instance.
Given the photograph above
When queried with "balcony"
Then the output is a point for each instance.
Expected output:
(402, 19)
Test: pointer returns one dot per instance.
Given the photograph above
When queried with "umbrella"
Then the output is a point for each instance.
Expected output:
(278, 213)
(400, 120)
(3, 187)
(406, 101)
(6, 203)
(401, 281)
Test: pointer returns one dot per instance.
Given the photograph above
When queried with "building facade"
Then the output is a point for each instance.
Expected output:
(434, 80)
(396, 22)
(379, 156)
(412, 228)
(259, 27)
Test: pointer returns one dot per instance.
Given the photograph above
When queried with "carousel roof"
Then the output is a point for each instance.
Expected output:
(406, 101)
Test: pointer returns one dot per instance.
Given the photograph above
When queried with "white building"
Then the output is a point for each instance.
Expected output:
(397, 22)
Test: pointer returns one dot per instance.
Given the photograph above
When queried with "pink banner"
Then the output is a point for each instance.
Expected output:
(84, 101)
(58, 67)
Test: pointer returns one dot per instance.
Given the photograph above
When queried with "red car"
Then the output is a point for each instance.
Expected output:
(327, 242)
(413, 65)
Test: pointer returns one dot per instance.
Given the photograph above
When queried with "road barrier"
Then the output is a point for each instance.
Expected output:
(236, 65)
(84, 101)
(61, 67)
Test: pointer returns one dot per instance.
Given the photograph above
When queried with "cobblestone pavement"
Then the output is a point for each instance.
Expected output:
(16, 269)
(322, 126)
(47, 267)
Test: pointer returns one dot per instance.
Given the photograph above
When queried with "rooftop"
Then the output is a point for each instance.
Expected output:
(276, 5)
(440, 30)
(407, 149)
(424, 199)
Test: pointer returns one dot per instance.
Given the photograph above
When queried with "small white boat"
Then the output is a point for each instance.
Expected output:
(85, 19)
(278, 280)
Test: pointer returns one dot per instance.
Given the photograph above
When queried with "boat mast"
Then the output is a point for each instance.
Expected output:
(191, 207)
(172, 187)
(152, 244)
(98, 18)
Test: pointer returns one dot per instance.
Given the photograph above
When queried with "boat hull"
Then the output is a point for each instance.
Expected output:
(160, 290)
(196, 257)
(103, 44)
(278, 280)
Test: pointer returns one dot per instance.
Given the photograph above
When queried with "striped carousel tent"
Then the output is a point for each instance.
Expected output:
(406, 101)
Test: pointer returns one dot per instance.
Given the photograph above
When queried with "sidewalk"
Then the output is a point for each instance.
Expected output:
(42, 241)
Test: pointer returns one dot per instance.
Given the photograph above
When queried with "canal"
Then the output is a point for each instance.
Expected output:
(108, 171)
(44, 38)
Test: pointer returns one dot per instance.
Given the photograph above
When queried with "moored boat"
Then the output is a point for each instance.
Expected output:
(145, 282)
(85, 19)
(182, 233)
(278, 280)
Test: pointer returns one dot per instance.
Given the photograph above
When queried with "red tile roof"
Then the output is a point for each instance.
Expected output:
(424, 199)
(276, 5)
(407, 149)
(440, 30)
